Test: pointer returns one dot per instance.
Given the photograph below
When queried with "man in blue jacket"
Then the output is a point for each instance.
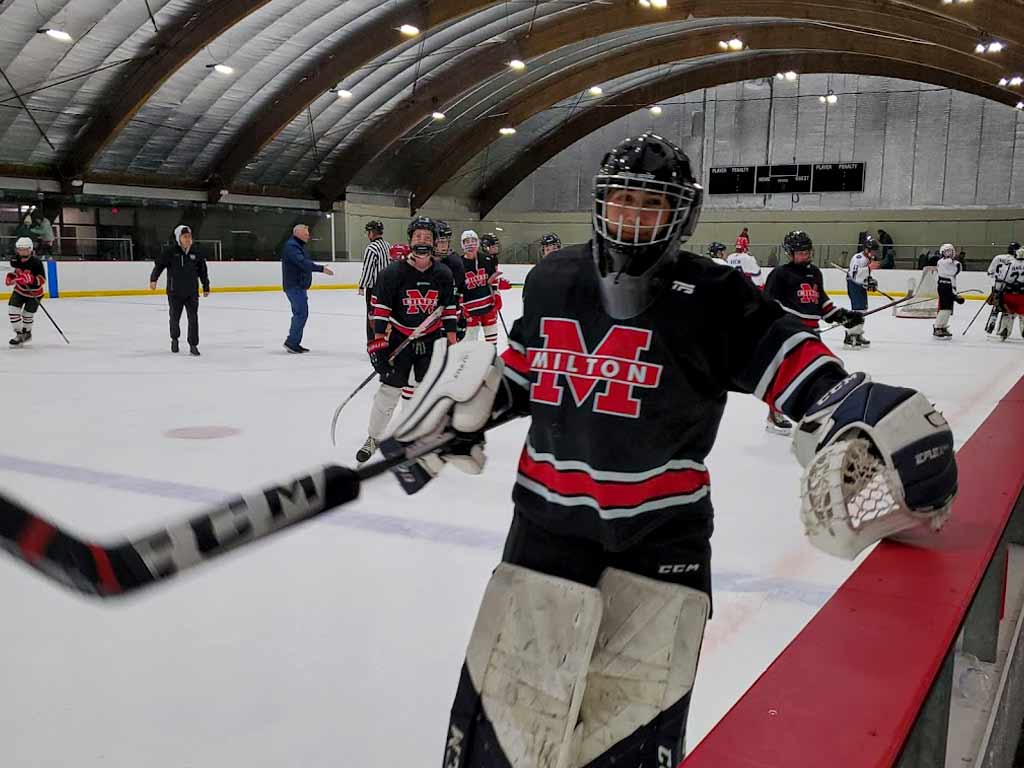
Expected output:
(296, 276)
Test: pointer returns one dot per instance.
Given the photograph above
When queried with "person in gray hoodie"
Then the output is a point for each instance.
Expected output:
(185, 270)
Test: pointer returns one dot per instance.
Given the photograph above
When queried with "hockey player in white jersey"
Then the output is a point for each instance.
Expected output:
(747, 266)
(997, 261)
(858, 283)
(948, 268)
(1009, 287)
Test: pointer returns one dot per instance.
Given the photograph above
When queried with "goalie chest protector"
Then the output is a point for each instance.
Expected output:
(624, 412)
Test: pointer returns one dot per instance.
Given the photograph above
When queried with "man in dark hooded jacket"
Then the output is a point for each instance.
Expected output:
(185, 270)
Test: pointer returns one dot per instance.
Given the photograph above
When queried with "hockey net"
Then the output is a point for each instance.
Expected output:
(924, 287)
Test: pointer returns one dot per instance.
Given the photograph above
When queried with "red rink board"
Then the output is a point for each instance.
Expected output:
(848, 688)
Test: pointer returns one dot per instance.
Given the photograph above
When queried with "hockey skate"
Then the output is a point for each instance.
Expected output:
(369, 447)
(941, 333)
(778, 424)
(16, 341)
(193, 350)
(25, 337)
(174, 345)
(1004, 334)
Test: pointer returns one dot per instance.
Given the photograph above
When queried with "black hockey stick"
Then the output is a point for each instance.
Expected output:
(111, 570)
(977, 314)
(876, 289)
(416, 334)
(47, 313)
(890, 305)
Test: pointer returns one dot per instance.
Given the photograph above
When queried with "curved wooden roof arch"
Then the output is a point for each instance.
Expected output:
(506, 177)
(476, 135)
(172, 48)
(588, 22)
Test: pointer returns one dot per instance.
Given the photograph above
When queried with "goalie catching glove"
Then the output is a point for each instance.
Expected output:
(452, 405)
(878, 460)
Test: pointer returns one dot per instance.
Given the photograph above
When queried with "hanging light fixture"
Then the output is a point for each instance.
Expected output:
(56, 34)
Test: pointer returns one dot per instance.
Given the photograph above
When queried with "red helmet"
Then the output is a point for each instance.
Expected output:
(399, 251)
(742, 243)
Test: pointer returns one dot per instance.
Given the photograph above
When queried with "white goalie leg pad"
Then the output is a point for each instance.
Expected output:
(850, 500)
(382, 409)
(528, 659)
(645, 659)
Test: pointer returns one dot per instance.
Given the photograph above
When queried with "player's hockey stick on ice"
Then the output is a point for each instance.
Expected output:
(50, 317)
(420, 330)
(978, 313)
(109, 570)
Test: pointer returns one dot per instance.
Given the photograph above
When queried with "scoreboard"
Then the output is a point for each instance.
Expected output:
(783, 179)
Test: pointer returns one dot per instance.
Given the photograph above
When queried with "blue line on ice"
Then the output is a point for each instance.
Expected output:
(474, 538)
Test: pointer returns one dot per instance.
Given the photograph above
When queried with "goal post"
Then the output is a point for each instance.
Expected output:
(925, 286)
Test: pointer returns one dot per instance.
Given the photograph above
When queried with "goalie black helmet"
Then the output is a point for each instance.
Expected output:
(444, 230)
(488, 239)
(716, 249)
(375, 226)
(551, 239)
(646, 202)
(870, 244)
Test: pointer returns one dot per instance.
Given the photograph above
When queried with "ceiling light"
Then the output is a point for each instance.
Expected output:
(829, 98)
(409, 30)
(438, 115)
(517, 65)
(995, 47)
(57, 34)
(979, 48)
(1020, 105)
(1016, 80)
(498, 229)
(506, 131)
(790, 75)
(224, 69)
(645, 3)
(76, 182)
(595, 90)
(1003, 81)
(343, 94)
(660, 4)
(655, 110)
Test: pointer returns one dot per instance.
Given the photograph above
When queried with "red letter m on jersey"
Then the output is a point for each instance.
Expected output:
(614, 366)
(415, 302)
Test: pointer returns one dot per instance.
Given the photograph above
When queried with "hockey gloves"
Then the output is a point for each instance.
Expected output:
(958, 298)
(905, 449)
(849, 318)
(870, 284)
(443, 422)
(377, 349)
(9, 278)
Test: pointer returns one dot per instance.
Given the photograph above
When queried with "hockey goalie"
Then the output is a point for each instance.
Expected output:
(586, 644)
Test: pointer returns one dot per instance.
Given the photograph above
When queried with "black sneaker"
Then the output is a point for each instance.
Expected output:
(302, 348)
(193, 350)
(293, 349)
(174, 345)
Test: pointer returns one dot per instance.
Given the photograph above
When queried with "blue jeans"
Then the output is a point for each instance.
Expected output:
(300, 312)
(858, 295)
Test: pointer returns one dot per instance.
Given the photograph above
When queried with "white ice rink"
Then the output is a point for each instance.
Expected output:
(338, 643)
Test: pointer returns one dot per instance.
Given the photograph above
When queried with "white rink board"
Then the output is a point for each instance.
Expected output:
(340, 642)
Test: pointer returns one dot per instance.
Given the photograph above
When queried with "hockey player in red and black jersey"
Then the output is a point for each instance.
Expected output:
(453, 261)
(404, 295)
(482, 277)
(623, 360)
(550, 243)
(26, 282)
(799, 287)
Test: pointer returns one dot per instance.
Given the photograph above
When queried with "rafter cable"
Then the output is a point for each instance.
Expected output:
(27, 110)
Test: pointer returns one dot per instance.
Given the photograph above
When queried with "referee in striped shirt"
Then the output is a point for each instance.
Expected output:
(375, 261)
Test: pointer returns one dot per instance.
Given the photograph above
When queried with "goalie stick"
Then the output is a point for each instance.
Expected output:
(417, 333)
(111, 570)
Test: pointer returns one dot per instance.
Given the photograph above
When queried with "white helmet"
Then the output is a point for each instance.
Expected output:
(469, 234)
(1019, 253)
(24, 243)
(947, 250)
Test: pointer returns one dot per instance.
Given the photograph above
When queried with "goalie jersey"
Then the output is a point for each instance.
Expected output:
(624, 412)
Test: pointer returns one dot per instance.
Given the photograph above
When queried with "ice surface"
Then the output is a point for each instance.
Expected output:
(340, 642)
